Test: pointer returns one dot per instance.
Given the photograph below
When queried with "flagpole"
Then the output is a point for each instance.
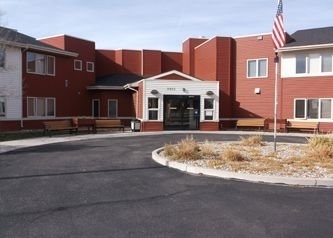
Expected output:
(279, 40)
(276, 61)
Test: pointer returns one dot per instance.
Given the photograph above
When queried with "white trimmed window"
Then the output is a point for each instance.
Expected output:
(40, 64)
(2, 57)
(313, 108)
(40, 107)
(113, 108)
(90, 67)
(326, 63)
(152, 108)
(314, 63)
(257, 68)
(78, 65)
(301, 64)
(2, 106)
(209, 108)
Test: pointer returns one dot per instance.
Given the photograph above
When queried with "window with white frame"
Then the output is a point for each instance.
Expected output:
(299, 108)
(301, 65)
(78, 65)
(326, 63)
(40, 64)
(90, 67)
(2, 106)
(2, 57)
(40, 107)
(209, 108)
(325, 108)
(314, 63)
(313, 108)
(113, 108)
(257, 68)
(152, 108)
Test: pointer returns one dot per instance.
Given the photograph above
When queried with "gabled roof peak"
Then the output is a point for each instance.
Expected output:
(173, 72)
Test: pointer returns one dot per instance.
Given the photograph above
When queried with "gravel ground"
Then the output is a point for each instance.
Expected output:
(289, 160)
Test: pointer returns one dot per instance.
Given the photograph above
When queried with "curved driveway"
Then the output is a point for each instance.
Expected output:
(111, 187)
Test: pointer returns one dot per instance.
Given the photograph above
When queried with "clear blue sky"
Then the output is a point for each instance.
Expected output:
(158, 24)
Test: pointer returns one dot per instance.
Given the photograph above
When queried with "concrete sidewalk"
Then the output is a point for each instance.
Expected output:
(18, 144)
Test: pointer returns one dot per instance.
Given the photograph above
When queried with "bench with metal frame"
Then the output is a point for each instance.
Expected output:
(109, 124)
(59, 125)
(303, 125)
(259, 123)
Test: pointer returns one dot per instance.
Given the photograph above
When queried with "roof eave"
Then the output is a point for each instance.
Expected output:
(55, 51)
(306, 47)
(98, 87)
(40, 48)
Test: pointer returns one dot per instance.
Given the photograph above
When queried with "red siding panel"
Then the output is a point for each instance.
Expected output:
(189, 55)
(130, 61)
(249, 104)
(213, 61)
(209, 126)
(151, 62)
(152, 126)
(106, 63)
(171, 61)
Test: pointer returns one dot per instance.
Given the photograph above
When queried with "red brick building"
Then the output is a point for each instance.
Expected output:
(211, 80)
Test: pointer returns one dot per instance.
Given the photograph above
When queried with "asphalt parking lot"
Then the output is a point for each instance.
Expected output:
(110, 187)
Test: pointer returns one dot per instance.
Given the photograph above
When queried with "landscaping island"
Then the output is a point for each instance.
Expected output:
(251, 155)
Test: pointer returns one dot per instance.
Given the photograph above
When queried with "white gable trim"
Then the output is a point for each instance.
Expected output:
(305, 47)
(186, 76)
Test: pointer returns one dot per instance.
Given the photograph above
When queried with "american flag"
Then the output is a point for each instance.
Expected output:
(278, 34)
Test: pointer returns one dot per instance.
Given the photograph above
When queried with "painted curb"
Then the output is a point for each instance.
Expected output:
(309, 182)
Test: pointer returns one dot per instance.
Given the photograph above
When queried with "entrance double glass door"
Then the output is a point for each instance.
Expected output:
(181, 112)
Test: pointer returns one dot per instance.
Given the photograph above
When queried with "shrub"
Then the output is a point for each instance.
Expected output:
(255, 140)
(320, 147)
(231, 154)
(206, 150)
(188, 149)
(169, 150)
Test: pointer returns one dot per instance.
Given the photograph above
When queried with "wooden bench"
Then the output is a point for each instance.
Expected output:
(59, 125)
(85, 122)
(251, 122)
(109, 123)
(303, 125)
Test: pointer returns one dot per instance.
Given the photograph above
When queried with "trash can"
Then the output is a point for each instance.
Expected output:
(135, 125)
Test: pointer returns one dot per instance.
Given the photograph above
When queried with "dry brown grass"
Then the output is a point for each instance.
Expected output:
(186, 149)
(169, 150)
(247, 155)
(207, 150)
(320, 147)
(232, 154)
(255, 140)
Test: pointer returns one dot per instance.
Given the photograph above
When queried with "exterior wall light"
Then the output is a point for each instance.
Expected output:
(154, 92)
(209, 93)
